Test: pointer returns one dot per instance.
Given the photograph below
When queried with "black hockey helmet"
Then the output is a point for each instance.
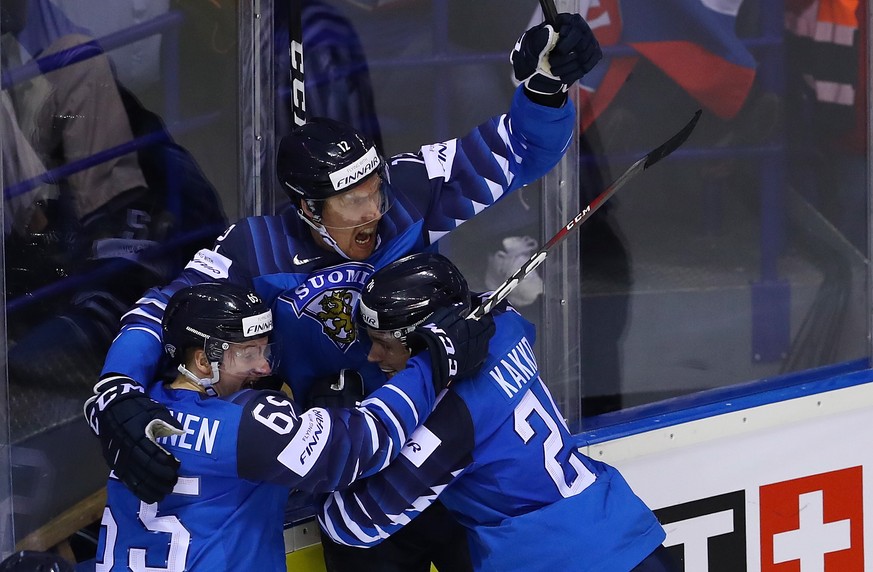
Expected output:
(35, 561)
(405, 293)
(213, 316)
(323, 158)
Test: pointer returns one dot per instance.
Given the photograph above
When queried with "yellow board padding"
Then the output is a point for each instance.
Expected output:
(311, 559)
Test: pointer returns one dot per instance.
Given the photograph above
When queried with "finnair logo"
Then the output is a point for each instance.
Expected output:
(314, 436)
(308, 443)
(370, 317)
(258, 325)
(355, 172)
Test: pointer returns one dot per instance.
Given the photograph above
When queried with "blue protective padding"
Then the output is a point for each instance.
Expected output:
(633, 421)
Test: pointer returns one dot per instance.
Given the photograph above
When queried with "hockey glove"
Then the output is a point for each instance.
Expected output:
(343, 390)
(547, 62)
(457, 346)
(577, 50)
(128, 424)
(530, 63)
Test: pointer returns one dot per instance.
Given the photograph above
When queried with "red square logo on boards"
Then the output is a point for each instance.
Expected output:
(814, 523)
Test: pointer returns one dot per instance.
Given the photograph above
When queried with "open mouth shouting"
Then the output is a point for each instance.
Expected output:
(365, 236)
(359, 242)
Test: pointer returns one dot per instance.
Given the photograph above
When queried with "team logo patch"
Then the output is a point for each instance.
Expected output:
(329, 297)
(336, 315)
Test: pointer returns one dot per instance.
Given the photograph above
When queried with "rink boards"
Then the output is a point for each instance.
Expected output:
(773, 481)
(779, 482)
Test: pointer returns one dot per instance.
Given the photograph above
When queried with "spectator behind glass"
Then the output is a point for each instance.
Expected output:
(103, 215)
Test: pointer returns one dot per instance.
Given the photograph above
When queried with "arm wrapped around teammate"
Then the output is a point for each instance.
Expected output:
(457, 346)
(128, 423)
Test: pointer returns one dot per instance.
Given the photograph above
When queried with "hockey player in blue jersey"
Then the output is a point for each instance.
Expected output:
(496, 451)
(243, 449)
(352, 213)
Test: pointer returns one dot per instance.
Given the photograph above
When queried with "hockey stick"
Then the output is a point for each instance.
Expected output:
(295, 53)
(550, 13)
(502, 291)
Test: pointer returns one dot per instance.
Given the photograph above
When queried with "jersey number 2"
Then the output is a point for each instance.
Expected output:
(552, 445)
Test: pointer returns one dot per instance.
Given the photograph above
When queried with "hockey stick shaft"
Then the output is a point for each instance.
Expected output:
(295, 51)
(550, 13)
(502, 291)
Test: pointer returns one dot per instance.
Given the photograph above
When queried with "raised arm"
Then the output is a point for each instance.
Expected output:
(512, 150)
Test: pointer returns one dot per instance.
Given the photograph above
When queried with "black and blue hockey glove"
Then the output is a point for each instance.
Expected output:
(128, 424)
(577, 50)
(457, 346)
(548, 61)
(530, 63)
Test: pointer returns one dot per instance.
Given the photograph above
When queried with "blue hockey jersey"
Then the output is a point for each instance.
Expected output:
(498, 454)
(313, 292)
(240, 456)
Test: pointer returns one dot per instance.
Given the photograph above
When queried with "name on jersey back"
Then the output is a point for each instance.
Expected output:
(199, 433)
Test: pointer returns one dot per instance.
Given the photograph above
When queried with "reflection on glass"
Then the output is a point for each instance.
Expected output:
(740, 258)
(100, 203)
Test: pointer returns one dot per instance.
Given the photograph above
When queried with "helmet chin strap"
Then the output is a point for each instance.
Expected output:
(322, 232)
(328, 239)
(206, 383)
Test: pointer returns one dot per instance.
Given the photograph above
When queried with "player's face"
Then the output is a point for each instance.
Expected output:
(389, 352)
(242, 365)
(352, 217)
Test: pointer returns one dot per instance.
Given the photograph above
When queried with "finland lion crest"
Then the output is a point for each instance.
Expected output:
(329, 297)
(336, 315)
